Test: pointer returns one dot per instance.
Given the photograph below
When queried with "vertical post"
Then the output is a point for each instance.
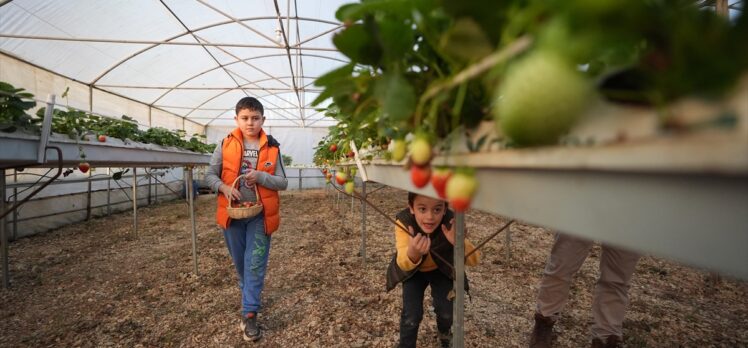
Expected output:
(14, 235)
(459, 287)
(3, 236)
(155, 189)
(149, 186)
(299, 179)
(363, 222)
(109, 191)
(88, 197)
(508, 244)
(135, 200)
(190, 198)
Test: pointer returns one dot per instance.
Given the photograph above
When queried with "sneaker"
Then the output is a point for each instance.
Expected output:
(249, 327)
(445, 339)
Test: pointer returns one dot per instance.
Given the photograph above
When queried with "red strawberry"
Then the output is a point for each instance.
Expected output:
(350, 154)
(420, 175)
(341, 178)
(83, 167)
(439, 181)
(460, 190)
(102, 138)
(333, 147)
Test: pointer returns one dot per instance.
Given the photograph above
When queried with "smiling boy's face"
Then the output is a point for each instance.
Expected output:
(250, 122)
(428, 212)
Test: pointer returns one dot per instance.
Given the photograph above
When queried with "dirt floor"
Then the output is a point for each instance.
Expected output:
(98, 284)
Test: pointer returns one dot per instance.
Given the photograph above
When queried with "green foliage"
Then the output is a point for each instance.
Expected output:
(287, 159)
(420, 66)
(13, 105)
(80, 125)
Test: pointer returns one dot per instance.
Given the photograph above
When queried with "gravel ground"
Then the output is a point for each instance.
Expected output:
(97, 284)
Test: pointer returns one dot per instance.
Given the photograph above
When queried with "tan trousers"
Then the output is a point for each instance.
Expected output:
(610, 296)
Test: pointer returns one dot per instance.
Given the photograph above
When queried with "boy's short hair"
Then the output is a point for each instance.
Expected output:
(250, 103)
(412, 197)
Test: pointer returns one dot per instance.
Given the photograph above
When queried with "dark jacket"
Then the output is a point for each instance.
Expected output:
(439, 245)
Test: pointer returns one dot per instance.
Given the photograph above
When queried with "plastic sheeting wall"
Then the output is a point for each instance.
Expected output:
(42, 83)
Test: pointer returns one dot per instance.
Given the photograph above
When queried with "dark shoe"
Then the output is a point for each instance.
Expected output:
(610, 342)
(445, 339)
(249, 327)
(542, 333)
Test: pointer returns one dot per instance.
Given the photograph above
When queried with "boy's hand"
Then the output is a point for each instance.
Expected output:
(251, 176)
(230, 192)
(418, 245)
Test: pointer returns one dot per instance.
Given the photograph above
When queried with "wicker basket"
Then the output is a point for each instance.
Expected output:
(242, 212)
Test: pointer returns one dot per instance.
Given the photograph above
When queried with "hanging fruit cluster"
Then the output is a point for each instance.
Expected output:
(421, 72)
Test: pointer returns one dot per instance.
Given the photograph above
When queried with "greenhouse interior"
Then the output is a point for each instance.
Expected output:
(588, 161)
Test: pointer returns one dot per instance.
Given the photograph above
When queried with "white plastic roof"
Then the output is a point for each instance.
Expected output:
(195, 59)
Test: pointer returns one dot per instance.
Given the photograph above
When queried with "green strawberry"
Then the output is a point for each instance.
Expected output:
(540, 99)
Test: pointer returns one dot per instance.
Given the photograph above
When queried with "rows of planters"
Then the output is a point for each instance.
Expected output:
(424, 73)
(15, 104)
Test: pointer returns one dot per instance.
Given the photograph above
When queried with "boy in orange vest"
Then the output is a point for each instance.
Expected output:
(255, 156)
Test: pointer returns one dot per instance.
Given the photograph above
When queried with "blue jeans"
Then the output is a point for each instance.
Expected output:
(249, 248)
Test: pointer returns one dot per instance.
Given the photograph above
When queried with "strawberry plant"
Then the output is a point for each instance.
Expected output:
(13, 105)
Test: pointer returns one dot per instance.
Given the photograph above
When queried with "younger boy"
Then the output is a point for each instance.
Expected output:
(420, 262)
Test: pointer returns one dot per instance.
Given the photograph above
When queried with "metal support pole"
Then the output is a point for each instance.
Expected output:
(156, 191)
(299, 179)
(88, 198)
(459, 287)
(135, 200)
(3, 236)
(14, 235)
(109, 192)
(508, 244)
(363, 222)
(149, 187)
(190, 198)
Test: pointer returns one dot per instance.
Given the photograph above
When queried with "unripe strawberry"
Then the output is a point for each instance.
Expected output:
(541, 98)
(397, 149)
(460, 190)
(349, 187)
(353, 172)
(420, 175)
(341, 177)
(420, 151)
(439, 181)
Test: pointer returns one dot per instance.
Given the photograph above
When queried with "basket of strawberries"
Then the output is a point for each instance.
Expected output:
(242, 210)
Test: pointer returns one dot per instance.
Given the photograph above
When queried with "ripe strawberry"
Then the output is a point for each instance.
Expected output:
(350, 154)
(83, 167)
(439, 181)
(349, 187)
(420, 175)
(460, 190)
(341, 177)
(397, 149)
(541, 98)
(420, 151)
(324, 171)
(333, 147)
(102, 138)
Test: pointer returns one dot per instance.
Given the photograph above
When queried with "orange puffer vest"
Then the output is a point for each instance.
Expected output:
(233, 150)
